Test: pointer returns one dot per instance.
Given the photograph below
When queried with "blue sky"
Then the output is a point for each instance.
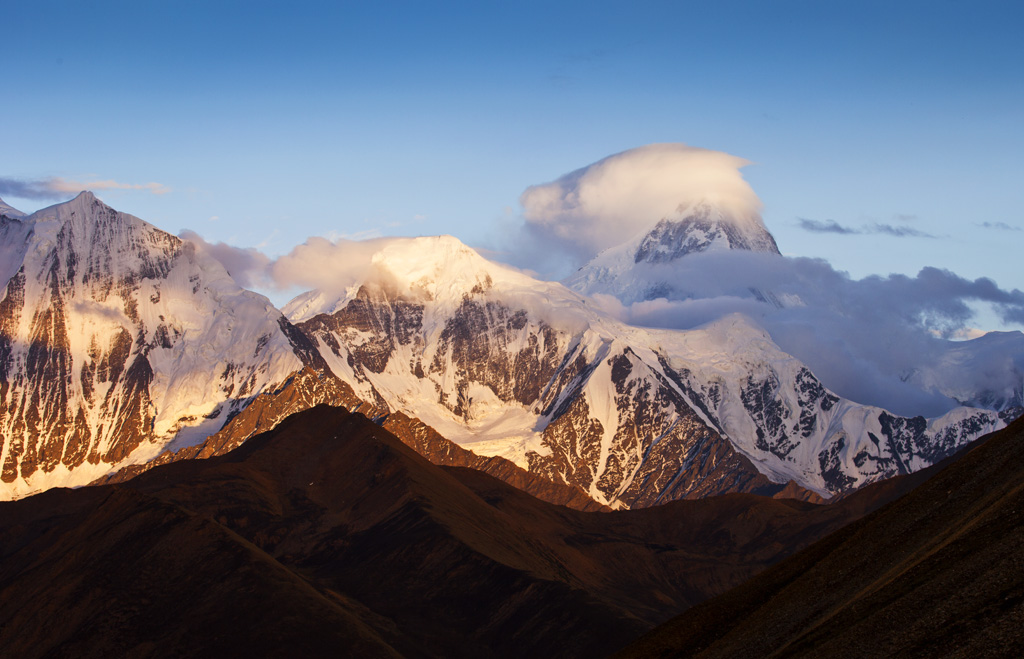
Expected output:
(289, 120)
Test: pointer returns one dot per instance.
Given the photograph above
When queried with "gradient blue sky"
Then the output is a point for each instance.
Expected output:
(286, 120)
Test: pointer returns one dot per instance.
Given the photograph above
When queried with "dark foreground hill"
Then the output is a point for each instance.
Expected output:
(327, 536)
(939, 572)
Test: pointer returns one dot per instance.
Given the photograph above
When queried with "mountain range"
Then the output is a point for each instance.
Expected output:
(119, 342)
(445, 456)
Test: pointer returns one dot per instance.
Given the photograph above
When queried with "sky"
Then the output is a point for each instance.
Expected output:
(883, 137)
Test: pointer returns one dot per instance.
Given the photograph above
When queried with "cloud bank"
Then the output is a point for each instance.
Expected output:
(610, 201)
(866, 339)
(55, 188)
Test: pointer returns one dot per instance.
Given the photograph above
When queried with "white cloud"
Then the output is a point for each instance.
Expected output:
(610, 201)
(967, 333)
(330, 266)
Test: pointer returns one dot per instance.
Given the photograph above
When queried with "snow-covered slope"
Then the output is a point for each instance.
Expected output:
(117, 340)
(505, 364)
(636, 270)
(783, 418)
(10, 211)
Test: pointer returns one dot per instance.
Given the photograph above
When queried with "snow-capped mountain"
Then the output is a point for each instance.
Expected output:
(640, 269)
(706, 255)
(118, 340)
(508, 365)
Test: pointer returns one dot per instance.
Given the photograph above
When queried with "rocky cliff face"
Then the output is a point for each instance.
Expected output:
(117, 340)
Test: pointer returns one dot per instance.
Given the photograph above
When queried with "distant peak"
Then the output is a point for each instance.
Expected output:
(703, 226)
(83, 200)
(433, 259)
(82, 207)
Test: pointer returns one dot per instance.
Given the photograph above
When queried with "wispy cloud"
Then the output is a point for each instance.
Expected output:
(998, 226)
(56, 188)
(249, 266)
(824, 226)
(364, 234)
(831, 226)
(899, 232)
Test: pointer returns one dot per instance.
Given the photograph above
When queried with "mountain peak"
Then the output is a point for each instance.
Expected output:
(438, 268)
(84, 202)
(635, 270)
(702, 227)
(426, 255)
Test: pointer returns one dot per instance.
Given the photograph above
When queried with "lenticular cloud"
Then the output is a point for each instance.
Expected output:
(610, 201)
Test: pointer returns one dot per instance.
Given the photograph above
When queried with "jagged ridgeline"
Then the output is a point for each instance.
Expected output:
(118, 341)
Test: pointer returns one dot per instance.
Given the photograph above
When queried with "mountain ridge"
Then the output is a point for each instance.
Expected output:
(370, 546)
(934, 573)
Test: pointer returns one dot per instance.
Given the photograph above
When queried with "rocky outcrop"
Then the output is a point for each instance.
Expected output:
(427, 442)
(304, 390)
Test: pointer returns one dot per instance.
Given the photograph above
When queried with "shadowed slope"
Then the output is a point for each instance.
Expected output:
(939, 572)
(128, 575)
(328, 534)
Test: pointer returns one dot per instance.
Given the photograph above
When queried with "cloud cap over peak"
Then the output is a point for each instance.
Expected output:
(614, 199)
